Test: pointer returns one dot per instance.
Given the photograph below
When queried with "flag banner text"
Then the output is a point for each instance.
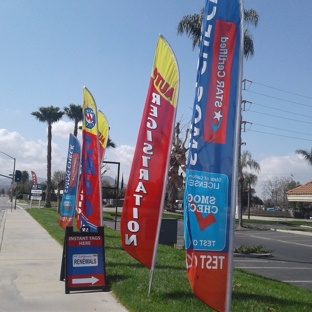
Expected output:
(144, 197)
(68, 204)
(34, 177)
(89, 201)
(211, 175)
(103, 134)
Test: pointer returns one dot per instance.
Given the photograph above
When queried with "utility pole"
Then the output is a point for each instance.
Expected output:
(240, 168)
(13, 178)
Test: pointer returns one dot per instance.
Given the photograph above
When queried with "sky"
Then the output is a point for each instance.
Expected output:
(51, 49)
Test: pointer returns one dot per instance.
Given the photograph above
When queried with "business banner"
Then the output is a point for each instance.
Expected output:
(89, 201)
(103, 134)
(68, 204)
(145, 193)
(211, 176)
(34, 177)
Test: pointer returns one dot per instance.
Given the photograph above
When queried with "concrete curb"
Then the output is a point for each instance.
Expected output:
(293, 232)
(253, 255)
(3, 214)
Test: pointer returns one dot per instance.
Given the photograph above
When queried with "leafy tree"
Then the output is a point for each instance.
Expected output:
(191, 26)
(74, 112)
(25, 176)
(177, 167)
(108, 190)
(245, 162)
(257, 200)
(25, 186)
(49, 115)
(274, 191)
(122, 188)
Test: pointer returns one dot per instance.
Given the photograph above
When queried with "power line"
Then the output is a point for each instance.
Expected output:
(276, 98)
(308, 115)
(310, 134)
(304, 96)
(282, 110)
(285, 136)
(281, 117)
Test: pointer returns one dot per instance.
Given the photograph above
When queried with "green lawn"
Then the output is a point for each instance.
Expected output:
(129, 280)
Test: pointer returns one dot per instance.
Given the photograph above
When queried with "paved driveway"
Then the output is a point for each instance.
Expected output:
(291, 261)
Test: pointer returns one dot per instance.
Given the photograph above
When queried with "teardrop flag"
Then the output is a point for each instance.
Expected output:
(145, 192)
(211, 175)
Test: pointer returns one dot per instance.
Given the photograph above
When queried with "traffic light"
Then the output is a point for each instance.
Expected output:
(18, 176)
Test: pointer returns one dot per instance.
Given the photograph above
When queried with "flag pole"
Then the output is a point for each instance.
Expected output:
(166, 176)
(237, 141)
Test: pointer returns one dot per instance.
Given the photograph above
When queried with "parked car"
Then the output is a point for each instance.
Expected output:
(179, 204)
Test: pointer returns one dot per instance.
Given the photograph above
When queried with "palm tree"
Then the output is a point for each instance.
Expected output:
(110, 143)
(246, 161)
(250, 179)
(25, 176)
(49, 115)
(307, 156)
(74, 112)
(191, 25)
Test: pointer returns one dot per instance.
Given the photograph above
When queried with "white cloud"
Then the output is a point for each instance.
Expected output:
(32, 155)
(62, 129)
(290, 166)
(29, 155)
(122, 154)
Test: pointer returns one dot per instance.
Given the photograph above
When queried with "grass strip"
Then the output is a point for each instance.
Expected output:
(128, 279)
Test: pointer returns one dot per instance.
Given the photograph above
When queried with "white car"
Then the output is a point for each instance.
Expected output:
(179, 204)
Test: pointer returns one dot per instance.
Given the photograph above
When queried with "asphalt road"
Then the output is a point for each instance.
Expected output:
(291, 260)
(4, 204)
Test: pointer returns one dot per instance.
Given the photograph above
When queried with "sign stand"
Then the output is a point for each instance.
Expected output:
(36, 194)
(83, 260)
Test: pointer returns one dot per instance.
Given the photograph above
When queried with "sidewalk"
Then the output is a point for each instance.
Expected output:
(30, 263)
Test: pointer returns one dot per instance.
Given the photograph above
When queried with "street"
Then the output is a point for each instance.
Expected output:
(291, 260)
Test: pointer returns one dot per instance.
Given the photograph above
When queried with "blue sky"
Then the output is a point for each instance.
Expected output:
(51, 49)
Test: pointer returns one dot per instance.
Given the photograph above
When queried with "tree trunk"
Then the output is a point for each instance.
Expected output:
(172, 195)
(239, 200)
(76, 128)
(249, 189)
(49, 160)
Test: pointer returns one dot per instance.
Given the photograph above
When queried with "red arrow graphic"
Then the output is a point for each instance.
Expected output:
(203, 222)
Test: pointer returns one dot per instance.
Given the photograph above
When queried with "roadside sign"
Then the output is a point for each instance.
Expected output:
(35, 197)
(36, 192)
(36, 187)
(83, 260)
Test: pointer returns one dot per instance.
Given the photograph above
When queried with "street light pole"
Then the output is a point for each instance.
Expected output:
(13, 176)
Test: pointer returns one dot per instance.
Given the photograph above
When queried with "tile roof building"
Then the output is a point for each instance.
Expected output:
(302, 193)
